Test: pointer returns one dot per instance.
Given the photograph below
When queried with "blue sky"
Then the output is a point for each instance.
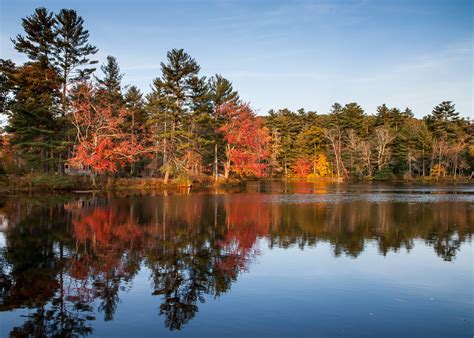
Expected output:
(295, 54)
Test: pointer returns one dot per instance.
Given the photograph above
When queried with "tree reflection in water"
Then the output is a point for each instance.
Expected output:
(69, 260)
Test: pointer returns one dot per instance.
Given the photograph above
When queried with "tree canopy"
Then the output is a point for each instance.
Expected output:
(190, 126)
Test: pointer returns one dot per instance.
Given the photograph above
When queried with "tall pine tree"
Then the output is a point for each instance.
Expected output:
(110, 86)
(72, 51)
(221, 91)
(39, 42)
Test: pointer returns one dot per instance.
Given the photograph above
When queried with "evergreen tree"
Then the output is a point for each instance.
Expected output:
(175, 88)
(72, 50)
(134, 102)
(39, 42)
(335, 113)
(136, 121)
(202, 126)
(444, 120)
(288, 125)
(221, 91)
(157, 107)
(110, 85)
(352, 117)
(32, 119)
(7, 68)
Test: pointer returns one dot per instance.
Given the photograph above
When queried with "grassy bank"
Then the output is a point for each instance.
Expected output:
(54, 182)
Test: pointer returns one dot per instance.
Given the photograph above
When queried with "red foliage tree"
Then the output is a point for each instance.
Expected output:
(303, 167)
(102, 139)
(247, 147)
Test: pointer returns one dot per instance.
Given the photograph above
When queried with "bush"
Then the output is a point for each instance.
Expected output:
(385, 174)
(46, 181)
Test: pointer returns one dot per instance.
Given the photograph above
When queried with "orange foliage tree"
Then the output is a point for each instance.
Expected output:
(247, 148)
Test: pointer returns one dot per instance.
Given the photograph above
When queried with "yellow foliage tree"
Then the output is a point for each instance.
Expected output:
(438, 170)
(321, 165)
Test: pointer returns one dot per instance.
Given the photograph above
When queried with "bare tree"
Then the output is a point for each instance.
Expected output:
(334, 137)
(454, 152)
(383, 137)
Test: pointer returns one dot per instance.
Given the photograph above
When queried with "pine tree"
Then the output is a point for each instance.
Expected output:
(202, 127)
(110, 85)
(134, 102)
(335, 113)
(72, 50)
(176, 89)
(135, 121)
(352, 116)
(39, 42)
(32, 118)
(7, 68)
(221, 91)
(444, 120)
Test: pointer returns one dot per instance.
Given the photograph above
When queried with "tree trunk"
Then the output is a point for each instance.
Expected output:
(439, 161)
(226, 170)
(216, 168)
(167, 176)
(409, 164)
(423, 154)
(63, 98)
(92, 176)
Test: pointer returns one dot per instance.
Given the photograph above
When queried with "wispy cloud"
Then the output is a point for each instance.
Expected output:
(460, 52)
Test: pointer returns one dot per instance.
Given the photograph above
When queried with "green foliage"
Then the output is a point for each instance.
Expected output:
(385, 174)
(39, 42)
(444, 121)
(72, 47)
(111, 84)
(32, 118)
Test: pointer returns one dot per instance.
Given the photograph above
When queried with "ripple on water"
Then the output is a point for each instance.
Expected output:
(374, 198)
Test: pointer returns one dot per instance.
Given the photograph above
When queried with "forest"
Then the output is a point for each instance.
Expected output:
(62, 118)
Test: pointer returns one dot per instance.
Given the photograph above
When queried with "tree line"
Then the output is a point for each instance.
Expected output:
(62, 115)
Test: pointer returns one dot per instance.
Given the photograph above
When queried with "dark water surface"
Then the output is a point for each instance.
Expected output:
(277, 260)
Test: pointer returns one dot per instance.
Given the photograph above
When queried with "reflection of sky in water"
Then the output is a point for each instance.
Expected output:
(310, 291)
(2, 240)
(314, 265)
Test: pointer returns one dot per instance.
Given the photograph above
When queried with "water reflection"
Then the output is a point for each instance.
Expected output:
(69, 259)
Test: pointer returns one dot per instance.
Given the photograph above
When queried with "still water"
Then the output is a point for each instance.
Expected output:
(274, 260)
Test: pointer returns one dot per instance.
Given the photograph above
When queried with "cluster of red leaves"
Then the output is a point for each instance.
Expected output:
(103, 141)
(247, 140)
(303, 167)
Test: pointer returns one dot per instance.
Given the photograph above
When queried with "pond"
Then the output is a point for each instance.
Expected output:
(273, 260)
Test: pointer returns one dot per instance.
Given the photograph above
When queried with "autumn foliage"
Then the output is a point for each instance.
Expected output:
(103, 142)
(303, 167)
(247, 148)
(317, 165)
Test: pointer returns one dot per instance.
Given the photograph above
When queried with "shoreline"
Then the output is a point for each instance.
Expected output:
(82, 184)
